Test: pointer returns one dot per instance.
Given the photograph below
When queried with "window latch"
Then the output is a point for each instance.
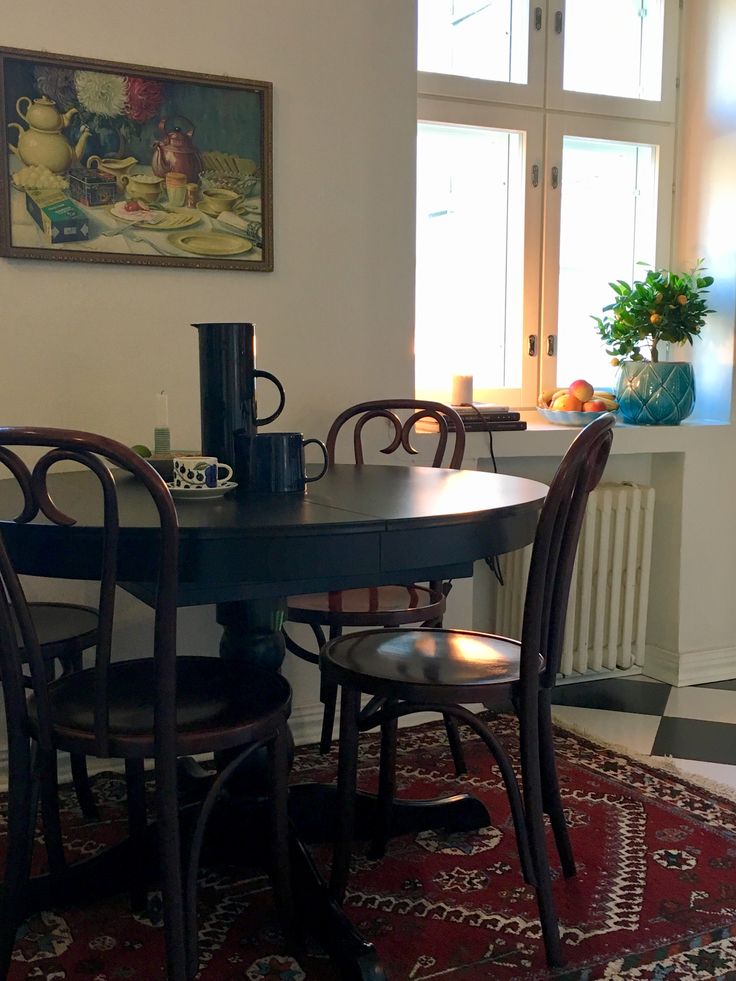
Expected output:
(552, 345)
(535, 175)
(555, 178)
(532, 349)
(558, 22)
(537, 18)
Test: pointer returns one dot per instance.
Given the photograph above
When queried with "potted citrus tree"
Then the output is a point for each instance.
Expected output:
(664, 307)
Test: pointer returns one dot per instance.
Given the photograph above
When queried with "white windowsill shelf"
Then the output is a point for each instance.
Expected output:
(542, 438)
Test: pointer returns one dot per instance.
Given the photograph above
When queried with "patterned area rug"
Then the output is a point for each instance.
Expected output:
(654, 898)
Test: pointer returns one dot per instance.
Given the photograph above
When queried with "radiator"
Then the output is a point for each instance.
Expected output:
(607, 612)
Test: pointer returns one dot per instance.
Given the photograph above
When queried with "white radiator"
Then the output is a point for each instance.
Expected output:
(607, 611)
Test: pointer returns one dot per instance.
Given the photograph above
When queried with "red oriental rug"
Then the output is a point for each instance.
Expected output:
(654, 898)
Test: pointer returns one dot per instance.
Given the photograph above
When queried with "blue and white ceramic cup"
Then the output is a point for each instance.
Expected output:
(200, 471)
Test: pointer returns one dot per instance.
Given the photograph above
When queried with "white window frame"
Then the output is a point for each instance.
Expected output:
(510, 93)
(546, 113)
(528, 123)
(558, 98)
(559, 126)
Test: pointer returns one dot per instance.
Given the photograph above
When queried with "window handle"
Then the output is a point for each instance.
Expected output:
(532, 349)
(537, 18)
(558, 22)
(535, 175)
(552, 345)
(555, 178)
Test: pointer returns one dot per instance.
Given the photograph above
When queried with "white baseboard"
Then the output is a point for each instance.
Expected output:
(690, 668)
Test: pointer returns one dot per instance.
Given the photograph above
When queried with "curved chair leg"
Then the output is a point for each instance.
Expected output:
(451, 728)
(296, 649)
(551, 787)
(19, 847)
(328, 697)
(347, 773)
(510, 784)
(83, 787)
(456, 745)
(278, 753)
(50, 818)
(195, 848)
(534, 813)
(386, 789)
(167, 816)
(137, 823)
(327, 694)
(80, 776)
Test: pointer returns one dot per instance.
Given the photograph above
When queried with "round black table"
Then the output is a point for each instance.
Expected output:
(357, 526)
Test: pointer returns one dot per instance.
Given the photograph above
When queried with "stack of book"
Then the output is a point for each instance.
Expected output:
(483, 417)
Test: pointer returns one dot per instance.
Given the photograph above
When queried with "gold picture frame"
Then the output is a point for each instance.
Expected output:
(117, 163)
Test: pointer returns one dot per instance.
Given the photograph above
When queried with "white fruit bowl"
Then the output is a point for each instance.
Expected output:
(563, 418)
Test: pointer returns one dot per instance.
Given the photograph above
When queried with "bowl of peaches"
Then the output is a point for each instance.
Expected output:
(576, 405)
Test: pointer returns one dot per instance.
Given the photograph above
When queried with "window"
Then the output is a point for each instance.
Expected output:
(544, 170)
(469, 192)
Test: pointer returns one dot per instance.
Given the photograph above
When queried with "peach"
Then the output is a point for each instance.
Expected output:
(594, 405)
(567, 403)
(581, 390)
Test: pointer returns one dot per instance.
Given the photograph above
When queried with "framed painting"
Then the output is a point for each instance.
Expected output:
(106, 162)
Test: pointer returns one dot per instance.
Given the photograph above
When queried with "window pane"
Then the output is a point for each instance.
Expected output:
(614, 47)
(608, 225)
(470, 226)
(477, 38)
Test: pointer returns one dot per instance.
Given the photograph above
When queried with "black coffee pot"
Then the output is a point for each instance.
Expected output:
(227, 386)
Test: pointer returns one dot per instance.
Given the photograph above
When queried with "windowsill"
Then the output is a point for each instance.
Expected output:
(542, 438)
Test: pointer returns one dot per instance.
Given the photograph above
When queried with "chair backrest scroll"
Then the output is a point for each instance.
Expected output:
(447, 419)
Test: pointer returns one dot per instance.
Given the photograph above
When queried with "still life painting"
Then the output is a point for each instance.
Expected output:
(105, 162)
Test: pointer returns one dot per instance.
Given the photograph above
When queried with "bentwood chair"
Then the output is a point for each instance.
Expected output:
(65, 631)
(440, 670)
(160, 707)
(390, 605)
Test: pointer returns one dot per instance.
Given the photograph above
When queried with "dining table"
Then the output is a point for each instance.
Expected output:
(360, 525)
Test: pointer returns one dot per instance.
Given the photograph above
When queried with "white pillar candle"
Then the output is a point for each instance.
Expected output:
(462, 390)
(162, 410)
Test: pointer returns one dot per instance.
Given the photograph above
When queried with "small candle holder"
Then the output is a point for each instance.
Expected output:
(161, 434)
(161, 441)
(462, 390)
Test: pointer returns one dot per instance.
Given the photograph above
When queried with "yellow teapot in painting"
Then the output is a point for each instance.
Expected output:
(43, 142)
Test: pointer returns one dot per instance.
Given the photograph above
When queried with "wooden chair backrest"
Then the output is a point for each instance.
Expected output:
(96, 454)
(447, 419)
(553, 553)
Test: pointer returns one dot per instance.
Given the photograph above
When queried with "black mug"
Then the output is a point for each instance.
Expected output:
(271, 463)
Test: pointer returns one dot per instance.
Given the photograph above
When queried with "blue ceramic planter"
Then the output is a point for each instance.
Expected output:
(661, 394)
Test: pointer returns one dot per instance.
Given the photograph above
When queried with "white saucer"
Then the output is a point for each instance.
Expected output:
(201, 493)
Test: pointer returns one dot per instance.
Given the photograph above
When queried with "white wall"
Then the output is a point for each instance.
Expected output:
(88, 346)
(705, 197)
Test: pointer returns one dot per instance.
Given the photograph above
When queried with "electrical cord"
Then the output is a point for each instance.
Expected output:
(489, 430)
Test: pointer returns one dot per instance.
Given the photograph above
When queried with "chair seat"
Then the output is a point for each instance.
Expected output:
(423, 664)
(220, 704)
(63, 625)
(372, 606)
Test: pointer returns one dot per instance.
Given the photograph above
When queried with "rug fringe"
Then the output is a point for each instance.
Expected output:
(664, 763)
